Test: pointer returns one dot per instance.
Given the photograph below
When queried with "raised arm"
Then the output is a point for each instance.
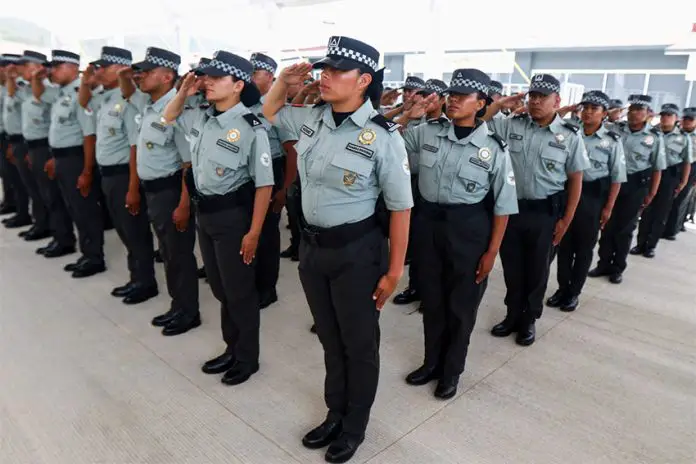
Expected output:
(278, 95)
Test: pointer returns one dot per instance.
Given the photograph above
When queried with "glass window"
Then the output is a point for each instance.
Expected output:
(668, 88)
(588, 81)
(622, 85)
(693, 95)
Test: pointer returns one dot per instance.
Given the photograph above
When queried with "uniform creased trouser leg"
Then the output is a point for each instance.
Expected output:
(39, 212)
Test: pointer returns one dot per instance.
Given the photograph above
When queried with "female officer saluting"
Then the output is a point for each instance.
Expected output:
(348, 154)
(459, 163)
(232, 181)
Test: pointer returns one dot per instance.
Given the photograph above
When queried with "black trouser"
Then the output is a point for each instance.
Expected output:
(412, 251)
(231, 280)
(654, 217)
(691, 203)
(616, 238)
(85, 212)
(8, 196)
(680, 206)
(339, 283)
(576, 249)
(39, 212)
(451, 242)
(525, 254)
(133, 230)
(176, 248)
(11, 177)
(293, 220)
(59, 219)
(268, 252)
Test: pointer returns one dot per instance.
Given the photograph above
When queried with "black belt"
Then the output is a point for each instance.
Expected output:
(674, 170)
(67, 151)
(552, 205)
(597, 187)
(638, 179)
(243, 196)
(338, 236)
(114, 170)
(163, 183)
(440, 212)
(31, 144)
(15, 138)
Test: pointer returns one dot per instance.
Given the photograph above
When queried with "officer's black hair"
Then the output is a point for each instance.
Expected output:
(482, 96)
(249, 96)
(374, 90)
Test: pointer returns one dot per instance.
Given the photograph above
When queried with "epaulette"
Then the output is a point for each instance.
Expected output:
(656, 131)
(204, 106)
(440, 120)
(498, 139)
(319, 104)
(614, 135)
(521, 116)
(252, 120)
(571, 126)
(385, 123)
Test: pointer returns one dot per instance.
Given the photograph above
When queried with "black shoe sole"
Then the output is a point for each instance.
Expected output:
(525, 342)
(141, 299)
(240, 380)
(181, 330)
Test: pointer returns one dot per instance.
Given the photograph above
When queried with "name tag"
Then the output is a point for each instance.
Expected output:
(604, 150)
(362, 151)
(195, 133)
(516, 137)
(227, 145)
(430, 148)
(309, 132)
(557, 145)
(35, 103)
(479, 163)
(159, 127)
(65, 103)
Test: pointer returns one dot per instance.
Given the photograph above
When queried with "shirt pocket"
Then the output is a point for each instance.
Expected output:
(221, 164)
(599, 161)
(348, 171)
(553, 162)
(111, 125)
(471, 183)
(516, 143)
(62, 113)
(157, 135)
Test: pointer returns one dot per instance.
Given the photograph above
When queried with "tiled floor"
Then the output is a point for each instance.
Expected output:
(85, 379)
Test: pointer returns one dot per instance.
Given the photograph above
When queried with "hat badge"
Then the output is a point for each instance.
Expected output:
(233, 135)
(538, 78)
(334, 41)
(367, 136)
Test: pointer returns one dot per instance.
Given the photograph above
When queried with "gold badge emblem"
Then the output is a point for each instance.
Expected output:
(604, 144)
(112, 131)
(219, 171)
(649, 140)
(551, 166)
(233, 135)
(484, 154)
(559, 138)
(149, 145)
(367, 136)
(349, 178)
(117, 107)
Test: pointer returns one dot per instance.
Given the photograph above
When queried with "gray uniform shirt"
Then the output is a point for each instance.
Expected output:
(70, 123)
(117, 130)
(542, 157)
(644, 149)
(343, 169)
(36, 115)
(605, 151)
(226, 150)
(677, 147)
(162, 148)
(277, 136)
(12, 110)
(453, 171)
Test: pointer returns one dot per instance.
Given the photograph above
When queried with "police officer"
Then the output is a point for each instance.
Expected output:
(496, 90)
(645, 159)
(546, 152)
(232, 176)
(12, 126)
(7, 206)
(615, 110)
(18, 91)
(430, 112)
(677, 216)
(673, 181)
(72, 139)
(348, 154)
(162, 154)
(458, 234)
(601, 184)
(117, 134)
(409, 96)
(284, 173)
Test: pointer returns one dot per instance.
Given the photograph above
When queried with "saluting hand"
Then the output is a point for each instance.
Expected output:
(88, 75)
(385, 287)
(126, 72)
(508, 103)
(249, 244)
(295, 74)
(190, 84)
(420, 108)
(39, 74)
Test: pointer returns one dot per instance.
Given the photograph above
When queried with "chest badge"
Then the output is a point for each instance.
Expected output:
(560, 138)
(649, 140)
(138, 119)
(233, 135)
(349, 178)
(219, 171)
(551, 166)
(604, 144)
(367, 136)
(470, 187)
(112, 131)
(149, 145)
(484, 154)
(117, 107)
(680, 139)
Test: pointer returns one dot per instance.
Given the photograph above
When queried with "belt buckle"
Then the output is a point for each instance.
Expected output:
(311, 235)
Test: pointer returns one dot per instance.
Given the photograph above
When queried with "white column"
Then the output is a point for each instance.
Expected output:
(434, 50)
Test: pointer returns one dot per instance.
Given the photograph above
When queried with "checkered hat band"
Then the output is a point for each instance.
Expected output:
(496, 89)
(229, 69)
(353, 55)
(471, 84)
(32, 59)
(595, 100)
(543, 85)
(66, 59)
(116, 59)
(638, 101)
(263, 65)
(162, 62)
(10, 59)
(415, 84)
(434, 88)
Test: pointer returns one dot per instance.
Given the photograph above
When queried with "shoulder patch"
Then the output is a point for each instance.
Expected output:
(614, 135)
(385, 123)
(571, 126)
(498, 139)
(252, 120)
(655, 131)
(521, 116)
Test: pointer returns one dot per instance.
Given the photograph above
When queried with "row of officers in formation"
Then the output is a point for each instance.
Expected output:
(448, 179)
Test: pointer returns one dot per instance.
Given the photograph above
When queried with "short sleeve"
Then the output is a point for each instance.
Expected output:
(290, 119)
(284, 135)
(260, 162)
(394, 175)
(129, 115)
(187, 118)
(618, 164)
(659, 155)
(577, 160)
(182, 144)
(504, 188)
(687, 155)
(501, 126)
(87, 120)
(50, 94)
(413, 143)
(139, 100)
